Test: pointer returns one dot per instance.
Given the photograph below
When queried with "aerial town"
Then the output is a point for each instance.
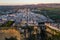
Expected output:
(29, 23)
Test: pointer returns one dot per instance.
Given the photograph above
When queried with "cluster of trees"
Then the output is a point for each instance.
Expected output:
(7, 24)
(11, 38)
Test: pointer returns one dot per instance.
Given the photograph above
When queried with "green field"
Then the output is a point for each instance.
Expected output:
(53, 13)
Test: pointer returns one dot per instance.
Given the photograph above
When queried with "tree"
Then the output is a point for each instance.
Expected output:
(11, 38)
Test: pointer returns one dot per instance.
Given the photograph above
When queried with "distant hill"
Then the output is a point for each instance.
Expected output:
(50, 5)
(43, 5)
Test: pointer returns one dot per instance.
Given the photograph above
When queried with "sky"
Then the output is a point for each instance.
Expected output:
(23, 2)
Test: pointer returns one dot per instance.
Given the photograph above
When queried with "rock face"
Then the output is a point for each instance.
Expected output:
(9, 33)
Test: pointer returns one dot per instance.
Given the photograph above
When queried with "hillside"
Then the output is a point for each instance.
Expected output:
(52, 34)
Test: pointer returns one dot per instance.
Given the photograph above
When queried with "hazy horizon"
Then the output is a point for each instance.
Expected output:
(24, 2)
